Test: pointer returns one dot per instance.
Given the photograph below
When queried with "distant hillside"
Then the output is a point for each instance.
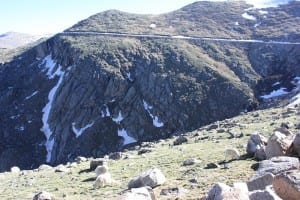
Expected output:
(12, 40)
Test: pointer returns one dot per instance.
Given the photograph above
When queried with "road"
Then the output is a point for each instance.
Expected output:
(181, 37)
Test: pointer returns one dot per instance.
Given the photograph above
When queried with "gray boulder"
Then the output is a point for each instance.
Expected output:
(152, 178)
(266, 194)
(260, 183)
(142, 193)
(222, 191)
(190, 161)
(116, 155)
(42, 196)
(287, 185)
(180, 140)
(94, 163)
(278, 145)
(296, 144)
(277, 165)
(255, 142)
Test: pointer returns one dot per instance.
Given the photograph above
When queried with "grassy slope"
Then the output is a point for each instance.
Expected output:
(77, 184)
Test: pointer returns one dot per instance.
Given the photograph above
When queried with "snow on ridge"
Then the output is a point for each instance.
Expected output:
(275, 93)
(34, 93)
(119, 118)
(247, 16)
(78, 132)
(127, 139)
(47, 109)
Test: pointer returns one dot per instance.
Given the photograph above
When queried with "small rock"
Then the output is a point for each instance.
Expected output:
(287, 185)
(15, 169)
(233, 154)
(212, 166)
(115, 156)
(97, 162)
(152, 178)
(190, 161)
(144, 150)
(61, 168)
(80, 159)
(42, 196)
(180, 140)
(260, 183)
(212, 127)
(142, 193)
(45, 168)
(173, 191)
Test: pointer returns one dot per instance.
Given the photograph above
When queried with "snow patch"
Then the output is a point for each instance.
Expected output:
(263, 12)
(276, 83)
(152, 25)
(105, 113)
(128, 75)
(47, 109)
(155, 120)
(127, 139)
(78, 132)
(34, 93)
(119, 118)
(50, 66)
(256, 25)
(15, 116)
(236, 23)
(247, 16)
(267, 3)
(275, 93)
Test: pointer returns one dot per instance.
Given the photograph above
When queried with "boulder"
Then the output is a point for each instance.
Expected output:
(45, 167)
(278, 145)
(287, 185)
(142, 193)
(260, 183)
(284, 130)
(61, 168)
(222, 191)
(42, 196)
(296, 144)
(152, 178)
(116, 155)
(144, 150)
(180, 140)
(190, 161)
(276, 165)
(97, 162)
(260, 153)
(15, 169)
(267, 194)
(175, 191)
(212, 166)
(80, 159)
(255, 142)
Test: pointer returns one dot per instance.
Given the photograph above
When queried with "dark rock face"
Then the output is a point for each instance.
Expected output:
(89, 95)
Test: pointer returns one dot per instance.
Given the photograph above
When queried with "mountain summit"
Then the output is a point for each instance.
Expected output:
(117, 79)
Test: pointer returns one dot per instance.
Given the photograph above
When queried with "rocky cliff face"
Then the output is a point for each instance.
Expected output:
(91, 94)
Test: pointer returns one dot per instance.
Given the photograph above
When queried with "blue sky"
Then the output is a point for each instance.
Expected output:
(52, 16)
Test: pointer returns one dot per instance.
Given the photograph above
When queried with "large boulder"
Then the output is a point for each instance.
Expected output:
(278, 145)
(94, 163)
(266, 194)
(260, 183)
(152, 178)
(277, 165)
(287, 185)
(221, 191)
(296, 144)
(255, 142)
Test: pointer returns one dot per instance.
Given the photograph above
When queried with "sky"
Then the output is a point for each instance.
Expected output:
(53, 16)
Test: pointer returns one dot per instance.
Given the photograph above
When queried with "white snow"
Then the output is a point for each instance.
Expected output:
(296, 99)
(47, 109)
(106, 113)
(152, 25)
(128, 75)
(34, 93)
(263, 12)
(155, 120)
(20, 128)
(49, 66)
(247, 16)
(78, 132)
(276, 83)
(119, 118)
(275, 93)
(15, 116)
(267, 3)
(256, 25)
(236, 23)
(127, 139)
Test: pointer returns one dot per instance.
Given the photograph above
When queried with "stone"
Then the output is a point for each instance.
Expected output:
(175, 191)
(116, 155)
(97, 162)
(61, 168)
(221, 191)
(260, 153)
(190, 161)
(180, 140)
(212, 166)
(287, 185)
(144, 150)
(42, 196)
(261, 182)
(45, 167)
(276, 165)
(267, 194)
(278, 145)
(296, 144)
(142, 193)
(255, 142)
(232, 154)
(152, 178)
(284, 130)
(81, 159)
(15, 169)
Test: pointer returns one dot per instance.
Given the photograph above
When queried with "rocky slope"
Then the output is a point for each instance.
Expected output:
(91, 94)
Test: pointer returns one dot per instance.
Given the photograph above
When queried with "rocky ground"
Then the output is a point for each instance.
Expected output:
(184, 180)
